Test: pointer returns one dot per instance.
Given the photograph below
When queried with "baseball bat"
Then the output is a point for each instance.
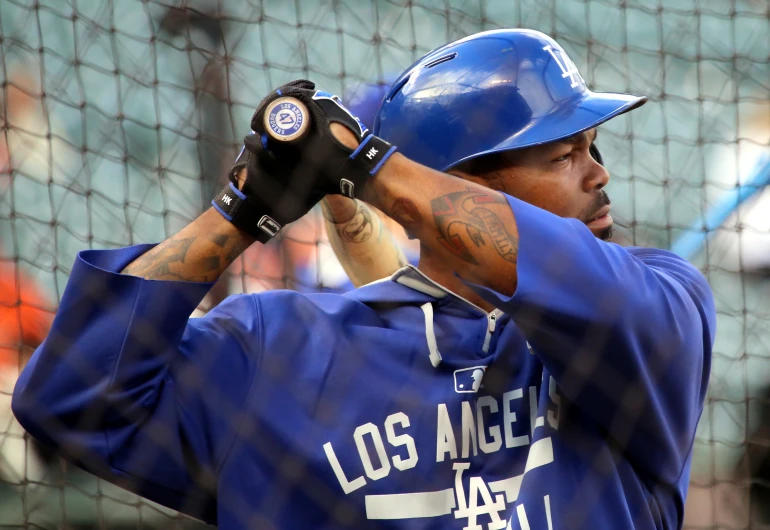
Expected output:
(286, 119)
(692, 240)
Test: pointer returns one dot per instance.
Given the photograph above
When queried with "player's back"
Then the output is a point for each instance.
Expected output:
(349, 410)
(398, 405)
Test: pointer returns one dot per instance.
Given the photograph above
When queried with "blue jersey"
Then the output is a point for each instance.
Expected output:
(398, 405)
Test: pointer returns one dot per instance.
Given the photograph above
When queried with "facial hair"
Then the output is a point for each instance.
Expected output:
(601, 200)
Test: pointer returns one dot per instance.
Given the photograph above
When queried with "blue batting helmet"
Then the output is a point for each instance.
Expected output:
(364, 99)
(490, 92)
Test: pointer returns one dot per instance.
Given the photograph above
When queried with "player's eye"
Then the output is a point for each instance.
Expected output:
(564, 157)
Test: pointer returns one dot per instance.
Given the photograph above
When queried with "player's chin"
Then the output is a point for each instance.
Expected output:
(606, 234)
(601, 227)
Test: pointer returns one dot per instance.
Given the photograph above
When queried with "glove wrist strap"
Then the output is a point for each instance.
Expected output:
(229, 201)
(235, 206)
(363, 163)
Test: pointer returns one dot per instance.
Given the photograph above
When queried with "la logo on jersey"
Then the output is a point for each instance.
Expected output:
(567, 67)
(516, 420)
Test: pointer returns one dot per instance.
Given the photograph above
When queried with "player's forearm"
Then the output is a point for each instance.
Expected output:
(469, 227)
(200, 252)
(363, 244)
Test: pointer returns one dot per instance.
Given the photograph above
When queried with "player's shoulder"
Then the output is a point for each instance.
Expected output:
(320, 299)
(680, 271)
(282, 308)
(667, 261)
(288, 304)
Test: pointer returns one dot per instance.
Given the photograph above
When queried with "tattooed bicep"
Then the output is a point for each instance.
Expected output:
(466, 222)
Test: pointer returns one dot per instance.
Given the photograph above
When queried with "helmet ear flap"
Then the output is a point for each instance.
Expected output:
(596, 154)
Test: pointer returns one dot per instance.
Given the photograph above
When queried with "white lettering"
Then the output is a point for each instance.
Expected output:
(347, 486)
(553, 415)
(372, 430)
(401, 439)
(547, 502)
(494, 495)
(227, 199)
(494, 432)
(445, 436)
(410, 505)
(535, 420)
(469, 430)
(509, 418)
(372, 152)
(471, 508)
(462, 505)
(489, 506)
(522, 515)
(540, 454)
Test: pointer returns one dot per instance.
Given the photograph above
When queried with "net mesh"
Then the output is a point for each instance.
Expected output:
(120, 118)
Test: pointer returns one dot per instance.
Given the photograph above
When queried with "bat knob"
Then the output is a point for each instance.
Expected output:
(286, 119)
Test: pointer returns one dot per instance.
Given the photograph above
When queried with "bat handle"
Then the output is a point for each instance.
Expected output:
(692, 240)
(286, 119)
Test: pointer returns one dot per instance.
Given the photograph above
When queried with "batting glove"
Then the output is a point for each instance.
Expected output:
(286, 179)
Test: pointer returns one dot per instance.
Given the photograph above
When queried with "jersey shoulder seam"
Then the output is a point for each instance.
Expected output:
(260, 349)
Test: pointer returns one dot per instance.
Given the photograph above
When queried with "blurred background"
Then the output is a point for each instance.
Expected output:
(120, 118)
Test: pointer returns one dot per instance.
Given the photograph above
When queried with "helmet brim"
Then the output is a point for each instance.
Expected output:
(590, 110)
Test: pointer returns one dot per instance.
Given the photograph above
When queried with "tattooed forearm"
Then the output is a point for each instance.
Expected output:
(360, 228)
(199, 253)
(338, 209)
(157, 263)
(467, 213)
(362, 243)
(351, 219)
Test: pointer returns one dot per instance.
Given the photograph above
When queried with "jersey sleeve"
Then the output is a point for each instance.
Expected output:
(132, 390)
(626, 333)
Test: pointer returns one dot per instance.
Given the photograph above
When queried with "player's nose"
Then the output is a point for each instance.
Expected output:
(596, 176)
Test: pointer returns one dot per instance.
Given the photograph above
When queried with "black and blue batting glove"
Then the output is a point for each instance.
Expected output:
(332, 167)
(285, 179)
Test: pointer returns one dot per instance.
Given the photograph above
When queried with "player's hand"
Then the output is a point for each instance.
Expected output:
(327, 152)
(344, 136)
(264, 194)
(283, 181)
(260, 198)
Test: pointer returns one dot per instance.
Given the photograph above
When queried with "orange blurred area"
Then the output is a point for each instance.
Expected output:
(25, 315)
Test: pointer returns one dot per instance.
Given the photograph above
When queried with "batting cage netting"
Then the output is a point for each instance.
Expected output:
(121, 118)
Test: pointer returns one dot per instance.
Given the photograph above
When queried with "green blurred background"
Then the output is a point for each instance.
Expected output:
(120, 117)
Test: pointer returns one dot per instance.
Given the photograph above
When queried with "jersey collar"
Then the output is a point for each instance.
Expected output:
(409, 285)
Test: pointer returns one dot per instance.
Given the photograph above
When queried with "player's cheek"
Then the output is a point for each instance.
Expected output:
(559, 198)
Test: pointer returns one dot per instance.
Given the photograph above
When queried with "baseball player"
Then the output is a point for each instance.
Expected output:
(527, 375)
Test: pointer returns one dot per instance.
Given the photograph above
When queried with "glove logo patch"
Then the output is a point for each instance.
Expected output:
(286, 118)
(347, 188)
(269, 225)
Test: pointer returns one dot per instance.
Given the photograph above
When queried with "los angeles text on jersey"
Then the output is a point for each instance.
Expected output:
(460, 434)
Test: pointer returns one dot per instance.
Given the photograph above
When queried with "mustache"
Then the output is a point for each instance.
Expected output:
(601, 200)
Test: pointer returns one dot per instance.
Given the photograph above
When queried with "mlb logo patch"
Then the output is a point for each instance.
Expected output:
(468, 380)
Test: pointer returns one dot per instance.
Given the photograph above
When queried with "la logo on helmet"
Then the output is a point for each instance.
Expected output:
(567, 67)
